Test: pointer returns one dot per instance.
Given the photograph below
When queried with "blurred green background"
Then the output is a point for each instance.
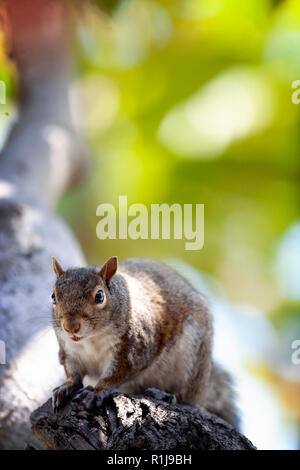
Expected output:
(189, 101)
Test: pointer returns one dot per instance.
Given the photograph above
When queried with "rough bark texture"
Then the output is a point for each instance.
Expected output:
(114, 421)
(39, 161)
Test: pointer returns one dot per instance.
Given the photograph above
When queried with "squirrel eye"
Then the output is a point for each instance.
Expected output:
(53, 298)
(99, 297)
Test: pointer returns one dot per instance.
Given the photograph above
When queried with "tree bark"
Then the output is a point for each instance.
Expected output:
(40, 160)
(114, 421)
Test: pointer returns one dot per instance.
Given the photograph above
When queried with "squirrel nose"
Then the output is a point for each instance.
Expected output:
(72, 328)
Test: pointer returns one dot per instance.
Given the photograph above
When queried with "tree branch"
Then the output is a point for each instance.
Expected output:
(114, 421)
(43, 154)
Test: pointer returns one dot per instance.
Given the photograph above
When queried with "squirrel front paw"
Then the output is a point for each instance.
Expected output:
(85, 398)
(62, 394)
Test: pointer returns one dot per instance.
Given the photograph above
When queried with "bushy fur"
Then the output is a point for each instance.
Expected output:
(153, 330)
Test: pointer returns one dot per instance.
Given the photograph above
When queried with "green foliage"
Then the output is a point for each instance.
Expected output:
(190, 101)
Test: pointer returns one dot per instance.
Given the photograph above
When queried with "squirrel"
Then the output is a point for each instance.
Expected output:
(135, 325)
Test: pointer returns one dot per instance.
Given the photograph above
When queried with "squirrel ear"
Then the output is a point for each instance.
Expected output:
(57, 267)
(109, 268)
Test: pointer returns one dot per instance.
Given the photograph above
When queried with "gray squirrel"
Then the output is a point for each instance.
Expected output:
(137, 325)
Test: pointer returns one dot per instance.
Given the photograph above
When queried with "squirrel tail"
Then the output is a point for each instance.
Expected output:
(220, 397)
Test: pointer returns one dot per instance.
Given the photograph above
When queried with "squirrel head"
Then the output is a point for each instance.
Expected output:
(82, 301)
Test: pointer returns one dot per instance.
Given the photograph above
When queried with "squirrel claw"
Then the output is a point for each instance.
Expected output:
(61, 395)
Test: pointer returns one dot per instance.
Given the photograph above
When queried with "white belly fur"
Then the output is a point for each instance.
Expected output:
(94, 354)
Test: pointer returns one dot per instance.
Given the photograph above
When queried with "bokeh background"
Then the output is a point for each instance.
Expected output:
(190, 101)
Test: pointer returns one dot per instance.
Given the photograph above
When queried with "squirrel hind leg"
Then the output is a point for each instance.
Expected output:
(220, 396)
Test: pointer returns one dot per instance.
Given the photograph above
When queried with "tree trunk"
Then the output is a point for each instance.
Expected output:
(41, 158)
(114, 421)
